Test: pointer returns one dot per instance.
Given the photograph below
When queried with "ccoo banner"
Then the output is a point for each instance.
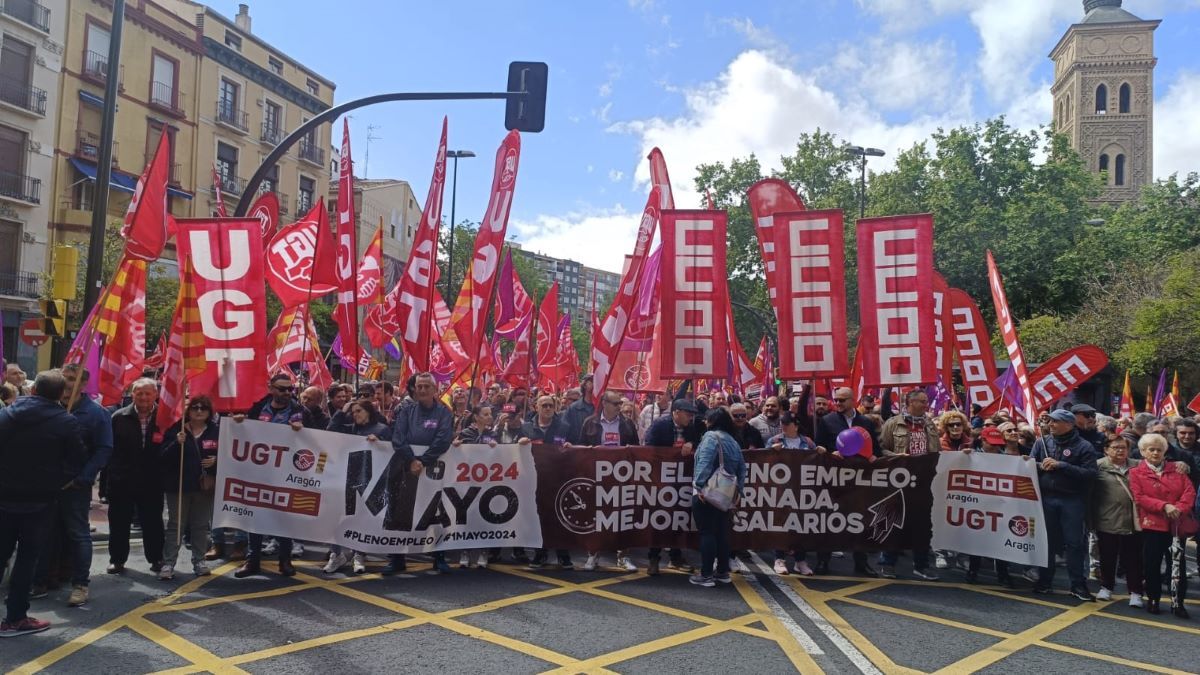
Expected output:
(810, 297)
(693, 294)
(989, 505)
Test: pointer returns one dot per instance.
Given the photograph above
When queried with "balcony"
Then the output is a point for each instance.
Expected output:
(229, 115)
(22, 95)
(311, 152)
(172, 168)
(303, 204)
(20, 187)
(28, 12)
(167, 99)
(231, 185)
(95, 69)
(21, 284)
(283, 203)
(271, 133)
(87, 146)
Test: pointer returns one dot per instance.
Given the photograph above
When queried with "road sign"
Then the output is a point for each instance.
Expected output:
(32, 333)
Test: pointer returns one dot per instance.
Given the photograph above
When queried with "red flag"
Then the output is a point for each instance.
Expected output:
(122, 322)
(895, 288)
(547, 327)
(1012, 343)
(513, 305)
(294, 340)
(742, 372)
(370, 270)
(218, 194)
(660, 179)
(606, 341)
(146, 227)
(468, 320)
(810, 292)
(266, 209)
(694, 295)
(406, 309)
(182, 349)
(516, 371)
(346, 312)
(943, 356)
(1194, 405)
(976, 362)
(157, 357)
(1125, 408)
(300, 261)
(1062, 374)
(227, 274)
(767, 198)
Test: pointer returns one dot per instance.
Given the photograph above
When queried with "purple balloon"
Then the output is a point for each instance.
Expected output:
(849, 443)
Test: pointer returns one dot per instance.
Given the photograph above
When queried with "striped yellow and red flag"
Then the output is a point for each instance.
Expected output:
(183, 358)
(1175, 387)
(121, 320)
(1149, 407)
(1125, 408)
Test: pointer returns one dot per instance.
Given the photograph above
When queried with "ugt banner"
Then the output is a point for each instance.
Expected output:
(342, 489)
(989, 505)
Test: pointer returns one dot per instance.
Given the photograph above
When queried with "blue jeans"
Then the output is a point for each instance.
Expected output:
(69, 522)
(1064, 515)
(715, 528)
(25, 532)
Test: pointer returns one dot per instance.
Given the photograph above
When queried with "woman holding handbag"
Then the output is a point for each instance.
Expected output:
(720, 474)
(1164, 503)
(189, 466)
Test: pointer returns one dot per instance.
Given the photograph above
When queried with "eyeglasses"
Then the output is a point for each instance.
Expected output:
(739, 416)
(954, 425)
(197, 407)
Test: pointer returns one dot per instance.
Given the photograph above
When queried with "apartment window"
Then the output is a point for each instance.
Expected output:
(275, 65)
(307, 187)
(16, 74)
(272, 122)
(12, 153)
(95, 54)
(270, 182)
(228, 98)
(314, 88)
(162, 87)
(227, 162)
(154, 131)
(233, 41)
(10, 243)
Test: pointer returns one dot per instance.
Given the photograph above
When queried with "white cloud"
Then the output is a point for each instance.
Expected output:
(609, 235)
(899, 75)
(615, 175)
(1016, 36)
(601, 113)
(1176, 143)
(757, 37)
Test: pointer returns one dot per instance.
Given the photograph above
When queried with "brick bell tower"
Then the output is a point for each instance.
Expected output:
(1104, 95)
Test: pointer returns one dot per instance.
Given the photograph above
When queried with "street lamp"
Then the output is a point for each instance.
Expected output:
(859, 151)
(455, 154)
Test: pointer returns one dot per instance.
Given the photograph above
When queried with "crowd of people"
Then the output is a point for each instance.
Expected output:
(1118, 494)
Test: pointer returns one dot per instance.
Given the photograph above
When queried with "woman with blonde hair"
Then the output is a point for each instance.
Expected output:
(955, 434)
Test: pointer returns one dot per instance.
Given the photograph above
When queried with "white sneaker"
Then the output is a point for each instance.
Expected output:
(336, 562)
(1104, 594)
(590, 565)
(839, 554)
(781, 567)
(628, 564)
(803, 569)
(166, 573)
(940, 562)
(483, 558)
(464, 560)
(297, 549)
(200, 569)
(1135, 600)
(359, 563)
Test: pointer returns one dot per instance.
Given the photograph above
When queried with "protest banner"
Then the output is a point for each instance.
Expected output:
(989, 505)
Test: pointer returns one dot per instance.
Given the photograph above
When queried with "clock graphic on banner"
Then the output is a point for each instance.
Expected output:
(575, 505)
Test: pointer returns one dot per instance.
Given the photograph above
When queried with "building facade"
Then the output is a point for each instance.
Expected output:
(388, 202)
(32, 35)
(1104, 95)
(577, 284)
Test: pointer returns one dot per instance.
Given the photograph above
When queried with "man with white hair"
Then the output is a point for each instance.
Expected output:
(134, 479)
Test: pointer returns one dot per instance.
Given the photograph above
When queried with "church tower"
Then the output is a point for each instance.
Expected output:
(1104, 95)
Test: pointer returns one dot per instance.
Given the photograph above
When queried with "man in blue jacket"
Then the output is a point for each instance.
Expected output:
(41, 454)
(1066, 468)
(429, 423)
(71, 517)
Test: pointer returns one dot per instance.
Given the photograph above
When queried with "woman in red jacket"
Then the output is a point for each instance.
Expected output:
(1163, 498)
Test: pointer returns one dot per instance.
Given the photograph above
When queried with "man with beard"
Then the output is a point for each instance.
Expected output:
(767, 422)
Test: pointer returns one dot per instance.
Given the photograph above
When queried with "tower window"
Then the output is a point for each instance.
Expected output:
(1123, 106)
(1104, 165)
(1101, 100)
(1119, 178)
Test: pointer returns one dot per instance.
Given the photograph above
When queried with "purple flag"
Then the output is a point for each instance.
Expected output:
(1010, 389)
(512, 303)
(393, 349)
(939, 397)
(1160, 392)
(645, 312)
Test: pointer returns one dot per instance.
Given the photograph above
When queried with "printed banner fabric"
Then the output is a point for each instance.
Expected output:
(810, 298)
(990, 506)
(222, 255)
(345, 313)
(972, 344)
(146, 227)
(1062, 374)
(943, 356)
(300, 260)
(768, 197)
(122, 321)
(693, 294)
(266, 209)
(895, 288)
(1008, 330)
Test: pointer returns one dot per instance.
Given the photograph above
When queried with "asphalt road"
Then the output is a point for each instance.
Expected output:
(513, 620)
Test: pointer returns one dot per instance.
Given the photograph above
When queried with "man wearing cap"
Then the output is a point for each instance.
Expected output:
(992, 439)
(1066, 468)
(1085, 424)
(681, 429)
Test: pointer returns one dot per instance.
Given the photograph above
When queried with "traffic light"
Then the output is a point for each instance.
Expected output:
(54, 317)
(527, 113)
(66, 270)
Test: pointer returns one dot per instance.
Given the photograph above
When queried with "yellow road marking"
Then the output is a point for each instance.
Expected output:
(1111, 659)
(177, 645)
(801, 659)
(860, 641)
(982, 630)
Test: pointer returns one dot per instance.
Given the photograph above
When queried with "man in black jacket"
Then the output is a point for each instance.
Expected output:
(1066, 468)
(608, 427)
(41, 454)
(547, 428)
(279, 406)
(134, 483)
(580, 410)
(429, 423)
(844, 416)
(681, 429)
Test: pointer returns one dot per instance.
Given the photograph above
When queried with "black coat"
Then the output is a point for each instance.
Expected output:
(662, 432)
(40, 450)
(593, 433)
(556, 434)
(417, 425)
(574, 416)
(833, 424)
(749, 437)
(194, 450)
(134, 465)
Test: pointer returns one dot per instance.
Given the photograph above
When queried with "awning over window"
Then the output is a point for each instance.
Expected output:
(120, 180)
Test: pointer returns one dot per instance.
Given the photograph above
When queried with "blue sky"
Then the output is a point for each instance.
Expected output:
(705, 81)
